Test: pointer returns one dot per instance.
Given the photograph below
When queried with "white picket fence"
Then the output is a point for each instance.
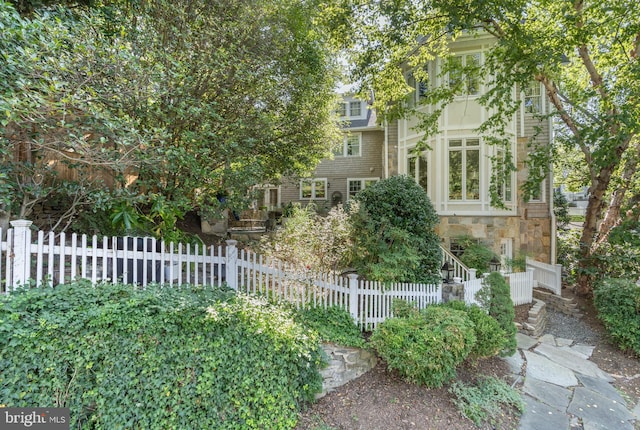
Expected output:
(520, 284)
(53, 259)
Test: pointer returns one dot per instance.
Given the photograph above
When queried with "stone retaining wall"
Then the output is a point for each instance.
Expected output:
(536, 323)
(558, 303)
(345, 364)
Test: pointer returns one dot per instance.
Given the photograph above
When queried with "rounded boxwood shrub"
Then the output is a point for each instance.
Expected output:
(490, 337)
(156, 358)
(426, 348)
(618, 304)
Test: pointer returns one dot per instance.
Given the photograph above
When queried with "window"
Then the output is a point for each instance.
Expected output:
(355, 108)
(357, 185)
(506, 252)
(351, 146)
(464, 169)
(537, 193)
(533, 98)
(417, 169)
(464, 74)
(350, 109)
(505, 189)
(313, 189)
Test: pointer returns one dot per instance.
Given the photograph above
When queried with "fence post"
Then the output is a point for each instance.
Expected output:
(21, 253)
(231, 264)
(558, 279)
(353, 296)
(473, 273)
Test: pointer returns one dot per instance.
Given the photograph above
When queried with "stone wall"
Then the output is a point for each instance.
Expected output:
(558, 303)
(452, 292)
(537, 321)
(345, 364)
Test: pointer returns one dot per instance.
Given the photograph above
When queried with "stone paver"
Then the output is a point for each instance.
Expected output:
(542, 368)
(563, 390)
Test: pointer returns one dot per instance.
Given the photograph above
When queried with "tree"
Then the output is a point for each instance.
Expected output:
(595, 92)
(189, 101)
(394, 236)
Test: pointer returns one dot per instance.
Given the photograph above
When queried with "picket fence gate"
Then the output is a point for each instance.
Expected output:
(54, 259)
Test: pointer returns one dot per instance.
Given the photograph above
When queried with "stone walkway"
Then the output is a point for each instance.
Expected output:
(563, 390)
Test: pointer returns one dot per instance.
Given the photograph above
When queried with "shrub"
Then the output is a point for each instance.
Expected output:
(425, 348)
(490, 337)
(483, 402)
(157, 358)
(495, 297)
(310, 241)
(476, 255)
(618, 304)
(394, 232)
(333, 324)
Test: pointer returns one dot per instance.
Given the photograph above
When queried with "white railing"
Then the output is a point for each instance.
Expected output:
(471, 288)
(459, 269)
(548, 276)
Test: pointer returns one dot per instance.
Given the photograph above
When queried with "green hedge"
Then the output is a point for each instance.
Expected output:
(495, 297)
(618, 304)
(426, 348)
(158, 358)
(490, 337)
(333, 324)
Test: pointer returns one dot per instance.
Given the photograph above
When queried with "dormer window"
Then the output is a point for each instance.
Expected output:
(355, 108)
(351, 109)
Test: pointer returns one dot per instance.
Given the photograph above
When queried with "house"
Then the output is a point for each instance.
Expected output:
(355, 164)
(456, 168)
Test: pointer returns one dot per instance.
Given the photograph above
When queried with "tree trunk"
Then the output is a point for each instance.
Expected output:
(584, 284)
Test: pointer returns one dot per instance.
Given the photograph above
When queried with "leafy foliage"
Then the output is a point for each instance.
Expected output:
(476, 255)
(426, 348)
(394, 232)
(310, 241)
(192, 101)
(593, 94)
(495, 297)
(155, 358)
(618, 304)
(333, 324)
(490, 337)
(483, 402)
(561, 209)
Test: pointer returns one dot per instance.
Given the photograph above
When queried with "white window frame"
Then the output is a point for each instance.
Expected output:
(346, 108)
(464, 57)
(414, 169)
(505, 187)
(532, 98)
(364, 182)
(464, 149)
(542, 197)
(316, 185)
(344, 151)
